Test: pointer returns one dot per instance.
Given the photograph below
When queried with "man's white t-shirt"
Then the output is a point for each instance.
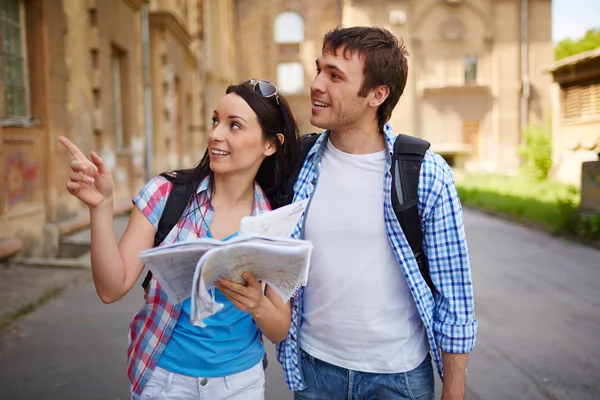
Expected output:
(358, 312)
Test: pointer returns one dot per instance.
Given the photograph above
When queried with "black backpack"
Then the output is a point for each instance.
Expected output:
(406, 166)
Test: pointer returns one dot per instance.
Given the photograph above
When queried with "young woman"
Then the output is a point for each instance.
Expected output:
(251, 147)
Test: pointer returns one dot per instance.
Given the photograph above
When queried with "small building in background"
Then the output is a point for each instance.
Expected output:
(576, 114)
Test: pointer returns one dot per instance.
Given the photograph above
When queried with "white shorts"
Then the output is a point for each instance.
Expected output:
(245, 385)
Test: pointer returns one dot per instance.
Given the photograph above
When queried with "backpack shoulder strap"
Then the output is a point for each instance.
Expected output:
(407, 158)
(284, 198)
(174, 207)
(177, 200)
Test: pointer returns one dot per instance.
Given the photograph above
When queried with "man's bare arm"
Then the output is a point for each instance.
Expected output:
(455, 369)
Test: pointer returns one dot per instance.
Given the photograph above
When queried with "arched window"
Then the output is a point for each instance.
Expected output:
(289, 28)
(290, 77)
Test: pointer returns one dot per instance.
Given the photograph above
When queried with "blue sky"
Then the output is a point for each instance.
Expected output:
(571, 18)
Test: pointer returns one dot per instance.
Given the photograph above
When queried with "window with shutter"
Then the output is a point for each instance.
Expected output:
(581, 99)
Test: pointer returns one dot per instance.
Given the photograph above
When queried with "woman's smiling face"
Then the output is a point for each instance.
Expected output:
(236, 142)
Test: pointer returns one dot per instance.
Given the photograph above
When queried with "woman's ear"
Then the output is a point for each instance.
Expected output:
(271, 146)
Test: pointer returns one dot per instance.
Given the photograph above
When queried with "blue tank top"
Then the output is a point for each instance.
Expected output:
(230, 342)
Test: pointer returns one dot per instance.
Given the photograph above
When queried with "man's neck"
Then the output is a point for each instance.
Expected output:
(232, 191)
(358, 140)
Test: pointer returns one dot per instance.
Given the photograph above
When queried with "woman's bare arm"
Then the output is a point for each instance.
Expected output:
(116, 267)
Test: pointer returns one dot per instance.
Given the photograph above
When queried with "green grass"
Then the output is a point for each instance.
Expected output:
(521, 197)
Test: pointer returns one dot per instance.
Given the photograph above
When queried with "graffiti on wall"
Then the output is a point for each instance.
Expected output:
(20, 177)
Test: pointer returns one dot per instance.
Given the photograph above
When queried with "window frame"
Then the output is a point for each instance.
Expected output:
(580, 100)
(471, 69)
(16, 120)
(119, 87)
(282, 87)
(302, 27)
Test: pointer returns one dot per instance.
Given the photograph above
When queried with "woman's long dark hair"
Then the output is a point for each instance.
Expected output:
(273, 118)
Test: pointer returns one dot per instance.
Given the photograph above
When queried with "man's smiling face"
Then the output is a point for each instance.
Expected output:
(334, 91)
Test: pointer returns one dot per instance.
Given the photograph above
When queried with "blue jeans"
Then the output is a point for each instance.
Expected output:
(329, 382)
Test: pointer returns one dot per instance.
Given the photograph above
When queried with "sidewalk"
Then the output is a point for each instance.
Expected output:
(23, 288)
(27, 283)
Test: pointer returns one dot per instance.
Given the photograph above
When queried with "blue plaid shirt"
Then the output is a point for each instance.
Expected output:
(449, 316)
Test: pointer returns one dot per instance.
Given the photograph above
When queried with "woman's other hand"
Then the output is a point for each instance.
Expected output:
(250, 299)
(90, 180)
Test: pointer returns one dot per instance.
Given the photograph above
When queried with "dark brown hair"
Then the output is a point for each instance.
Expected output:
(385, 61)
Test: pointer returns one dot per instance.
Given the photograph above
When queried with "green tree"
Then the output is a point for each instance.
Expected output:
(568, 47)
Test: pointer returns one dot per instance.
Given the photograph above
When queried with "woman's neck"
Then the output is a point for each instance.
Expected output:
(232, 191)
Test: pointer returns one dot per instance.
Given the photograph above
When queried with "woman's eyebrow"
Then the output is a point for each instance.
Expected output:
(237, 117)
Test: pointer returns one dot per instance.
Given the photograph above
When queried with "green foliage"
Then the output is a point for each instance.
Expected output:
(537, 151)
(522, 197)
(548, 203)
(589, 226)
(568, 212)
(569, 47)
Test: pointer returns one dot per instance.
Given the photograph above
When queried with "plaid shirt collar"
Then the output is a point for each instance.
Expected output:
(316, 152)
(261, 203)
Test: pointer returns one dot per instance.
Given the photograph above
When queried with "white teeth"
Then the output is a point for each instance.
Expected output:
(319, 104)
(219, 152)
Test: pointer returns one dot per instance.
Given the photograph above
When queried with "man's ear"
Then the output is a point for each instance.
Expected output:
(271, 147)
(379, 95)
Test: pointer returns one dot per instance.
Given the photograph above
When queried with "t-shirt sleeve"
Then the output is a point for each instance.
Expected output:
(152, 198)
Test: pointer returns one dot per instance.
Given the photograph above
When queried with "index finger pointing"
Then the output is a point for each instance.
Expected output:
(74, 150)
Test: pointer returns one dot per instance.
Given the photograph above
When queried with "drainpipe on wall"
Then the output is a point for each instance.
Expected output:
(148, 119)
(238, 40)
(525, 83)
(201, 57)
(207, 50)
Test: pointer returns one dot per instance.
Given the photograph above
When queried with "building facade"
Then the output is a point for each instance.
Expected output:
(475, 66)
(137, 81)
(130, 79)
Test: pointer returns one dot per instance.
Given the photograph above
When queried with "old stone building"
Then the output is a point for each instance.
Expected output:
(475, 66)
(280, 40)
(137, 80)
(127, 78)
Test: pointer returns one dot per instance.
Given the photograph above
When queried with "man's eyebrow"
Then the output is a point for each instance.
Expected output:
(330, 67)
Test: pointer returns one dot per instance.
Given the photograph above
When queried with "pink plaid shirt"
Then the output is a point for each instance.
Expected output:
(152, 326)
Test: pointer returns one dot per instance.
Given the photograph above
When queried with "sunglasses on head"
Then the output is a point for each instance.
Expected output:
(265, 88)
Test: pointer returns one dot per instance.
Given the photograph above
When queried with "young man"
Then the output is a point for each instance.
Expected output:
(367, 326)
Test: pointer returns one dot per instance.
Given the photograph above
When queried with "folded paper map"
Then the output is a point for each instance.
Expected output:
(262, 248)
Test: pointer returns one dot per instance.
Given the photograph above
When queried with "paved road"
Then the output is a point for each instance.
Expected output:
(537, 301)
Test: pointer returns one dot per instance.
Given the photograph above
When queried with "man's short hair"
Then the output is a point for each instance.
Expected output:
(385, 61)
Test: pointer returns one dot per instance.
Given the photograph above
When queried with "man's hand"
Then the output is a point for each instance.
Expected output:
(250, 299)
(455, 370)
